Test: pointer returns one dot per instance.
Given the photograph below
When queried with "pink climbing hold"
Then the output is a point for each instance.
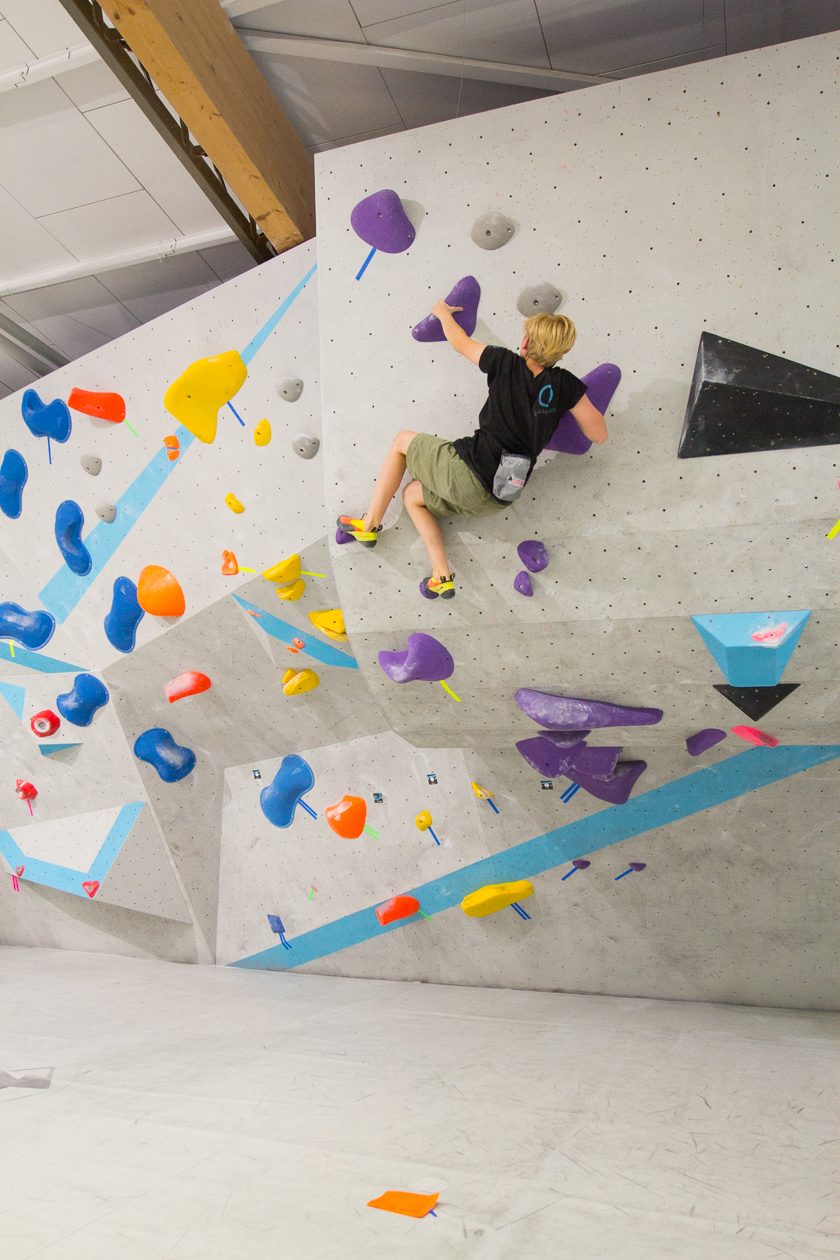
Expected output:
(754, 736)
(190, 683)
(771, 636)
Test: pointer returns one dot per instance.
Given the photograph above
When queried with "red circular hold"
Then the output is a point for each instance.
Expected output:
(26, 791)
(402, 907)
(45, 723)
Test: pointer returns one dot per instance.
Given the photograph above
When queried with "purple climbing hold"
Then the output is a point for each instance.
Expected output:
(381, 221)
(565, 739)
(533, 555)
(466, 294)
(581, 864)
(601, 383)
(617, 787)
(522, 583)
(424, 660)
(597, 763)
(546, 758)
(341, 537)
(565, 713)
(704, 740)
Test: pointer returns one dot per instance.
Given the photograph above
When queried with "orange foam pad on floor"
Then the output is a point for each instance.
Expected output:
(405, 1203)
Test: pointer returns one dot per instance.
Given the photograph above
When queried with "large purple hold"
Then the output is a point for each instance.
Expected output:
(533, 555)
(601, 383)
(617, 788)
(597, 763)
(546, 758)
(565, 739)
(381, 222)
(565, 713)
(523, 584)
(424, 660)
(466, 294)
(704, 740)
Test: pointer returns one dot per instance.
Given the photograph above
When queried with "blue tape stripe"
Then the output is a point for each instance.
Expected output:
(691, 794)
(285, 632)
(37, 660)
(63, 591)
(64, 878)
(268, 327)
(15, 696)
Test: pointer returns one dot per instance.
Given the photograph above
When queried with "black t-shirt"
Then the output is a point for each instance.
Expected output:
(521, 413)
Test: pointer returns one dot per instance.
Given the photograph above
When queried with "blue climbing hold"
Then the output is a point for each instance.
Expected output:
(279, 800)
(32, 630)
(80, 704)
(158, 748)
(125, 616)
(69, 519)
(13, 475)
(49, 420)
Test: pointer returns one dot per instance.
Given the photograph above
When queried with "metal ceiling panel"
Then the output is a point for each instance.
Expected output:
(150, 289)
(228, 261)
(24, 242)
(357, 139)
(757, 23)
(370, 11)
(42, 24)
(91, 87)
(605, 35)
(668, 63)
(324, 19)
(502, 30)
(13, 51)
(424, 98)
(326, 100)
(107, 227)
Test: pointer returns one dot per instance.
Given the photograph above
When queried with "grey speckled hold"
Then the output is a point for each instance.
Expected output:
(539, 299)
(305, 445)
(492, 230)
(107, 513)
(290, 389)
(92, 464)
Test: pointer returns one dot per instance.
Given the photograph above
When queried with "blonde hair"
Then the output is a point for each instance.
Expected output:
(549, 337)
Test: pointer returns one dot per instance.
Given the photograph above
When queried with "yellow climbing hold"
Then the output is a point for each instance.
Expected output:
(195, 397)
(493, 897)
(423, 821)
(262, 433)
(233, 503)
(480, 792)
(293, 591)
(287, 570)
(330, 622)
(297, 681)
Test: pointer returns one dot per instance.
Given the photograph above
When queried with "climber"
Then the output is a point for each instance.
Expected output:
(526, 396)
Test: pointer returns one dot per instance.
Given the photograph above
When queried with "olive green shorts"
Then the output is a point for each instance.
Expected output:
(450, 487)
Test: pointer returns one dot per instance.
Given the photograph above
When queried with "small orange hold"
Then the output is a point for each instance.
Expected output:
(100, 405)
(172, 446)
(295, 646)
(347, 816)
(230, 564)
(402, 907)
(159, 592)
(190, 683)
(405, 1203)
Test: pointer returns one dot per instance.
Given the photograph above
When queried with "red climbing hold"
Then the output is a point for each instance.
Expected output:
(44, 723)
(101, 406)
(190, 683)
(25, 791)
(91, 887)
(402, 907)
(347, 816)
(754, 736)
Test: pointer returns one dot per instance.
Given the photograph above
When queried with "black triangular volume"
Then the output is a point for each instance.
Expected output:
(743, 400)
(756, 701)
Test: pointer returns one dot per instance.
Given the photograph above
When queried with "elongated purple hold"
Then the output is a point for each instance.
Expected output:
(703, 740)
(601, 383)
(581, 864)
(381, 221)
(566, 713)
(597, 763)
(546, 758)
(522, 583)
(424, 660)
(617, 788)
(565, 739)
(533, 555)
(466, 294)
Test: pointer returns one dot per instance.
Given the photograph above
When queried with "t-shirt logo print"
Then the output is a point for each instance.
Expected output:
(545, 397)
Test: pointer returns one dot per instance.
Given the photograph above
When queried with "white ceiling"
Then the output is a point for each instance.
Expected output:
(86, 181)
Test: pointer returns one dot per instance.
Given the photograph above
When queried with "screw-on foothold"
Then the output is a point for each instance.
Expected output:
(92, 464)
(290, 389)
(492, 230)
(107, 513)
(305, 445)
(539, 299)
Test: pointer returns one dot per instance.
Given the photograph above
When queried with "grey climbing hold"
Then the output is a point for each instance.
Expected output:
(492, 230)
(305, 445)
(539, 299)
(107, 513)
(92, 464)
(290, 389)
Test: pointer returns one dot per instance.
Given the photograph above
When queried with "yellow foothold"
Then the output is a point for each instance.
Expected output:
(290, 673)
(195, 398)
(303, 680)
(330, 622)
(233, 503)
(493, 897)
(423, 821)
(262, 433)
(287, 570)
(480, 792)
(293, 591)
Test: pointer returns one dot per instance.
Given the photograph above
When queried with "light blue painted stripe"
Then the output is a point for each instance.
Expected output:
(268, 327)
(64, 878)
(285, 632)
(37, 660)
(15, 697)
(691, 794)
(63, 591)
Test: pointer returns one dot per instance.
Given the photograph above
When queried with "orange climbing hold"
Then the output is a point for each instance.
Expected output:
(190, 683)
(402, 907)
(405, 1203)
(347, 816)
(94, 403)
(172, 447)
(159, 592)
(230, 564)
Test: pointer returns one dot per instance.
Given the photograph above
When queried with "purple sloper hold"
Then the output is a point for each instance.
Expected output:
(704, 740)
(466, 293)
(597, 763)
(341, 537)
(381, 221)
(424, 660)
(522, 583)
(546, 758)
(565, 739)
(601, 383)
(533, 555)
(617, 788)
(565, 713)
